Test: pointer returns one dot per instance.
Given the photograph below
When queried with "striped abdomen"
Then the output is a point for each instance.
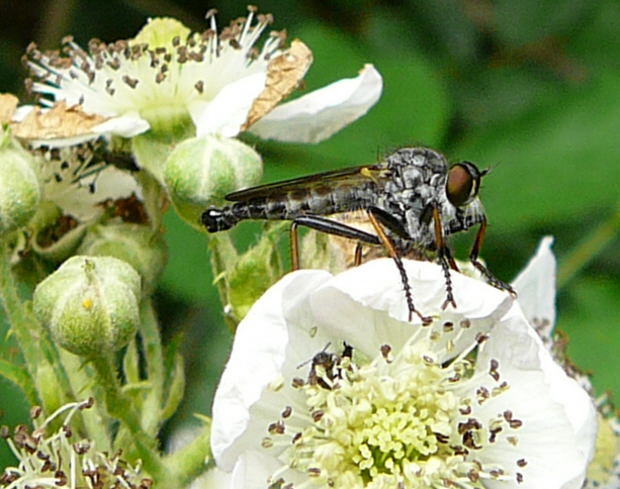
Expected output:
(316, 199)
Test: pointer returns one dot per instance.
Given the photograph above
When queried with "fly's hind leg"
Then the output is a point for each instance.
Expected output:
(331, 227)
(445, 259)
(473, 257)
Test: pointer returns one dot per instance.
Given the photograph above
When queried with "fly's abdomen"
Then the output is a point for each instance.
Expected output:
(287, 206)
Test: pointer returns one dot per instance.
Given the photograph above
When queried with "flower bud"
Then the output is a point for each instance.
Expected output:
(90, 304)
(135, 244)
(202, 170)
(20, 189)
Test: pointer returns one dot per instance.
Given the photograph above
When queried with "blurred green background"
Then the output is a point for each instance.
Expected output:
(529, 88)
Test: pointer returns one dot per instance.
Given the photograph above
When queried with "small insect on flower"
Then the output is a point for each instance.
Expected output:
(412, 198)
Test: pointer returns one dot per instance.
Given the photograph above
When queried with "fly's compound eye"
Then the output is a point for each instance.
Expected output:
(463, 183)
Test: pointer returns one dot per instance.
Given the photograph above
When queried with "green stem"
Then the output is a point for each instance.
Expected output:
(190, 461)
(154, 198)
(149, 330)
(94, 420)
(120, 407)
(34, 341)
(589, 247)
(21, 321)
(224, 256)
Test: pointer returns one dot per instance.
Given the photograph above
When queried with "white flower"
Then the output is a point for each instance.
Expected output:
(170, 79)
(536, 288)
(59, 459)
(473, 400)
(79, 181)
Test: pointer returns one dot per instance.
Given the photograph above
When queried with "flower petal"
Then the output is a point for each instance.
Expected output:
(559, 418)
(366, 305)
(321, 113)
(80, 202)
(536, 287)
(252, 470)
(126, 126)
(255, 362)
(228, 110)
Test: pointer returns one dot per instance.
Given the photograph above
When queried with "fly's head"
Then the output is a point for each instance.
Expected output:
(463, 208)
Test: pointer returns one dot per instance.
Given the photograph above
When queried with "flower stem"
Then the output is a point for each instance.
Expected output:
(120, 407)
(224, 256)
(33, 340)
(589, 247)
(149, 330)
(189, 462)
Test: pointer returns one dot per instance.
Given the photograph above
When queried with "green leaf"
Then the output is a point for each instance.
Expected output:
(558, 162)
(20, 377)
(597, 43)
(526, 21)
(190, 255)
(175, 390)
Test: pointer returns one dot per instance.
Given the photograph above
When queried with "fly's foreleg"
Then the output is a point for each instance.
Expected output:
(389, 246)
(445, 258)
(473, 257)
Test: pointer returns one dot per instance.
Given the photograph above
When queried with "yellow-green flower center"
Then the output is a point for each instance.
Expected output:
(400, 421)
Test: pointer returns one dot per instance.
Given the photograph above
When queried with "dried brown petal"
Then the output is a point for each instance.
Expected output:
(8, 104)
(284, 73)
(58, 122)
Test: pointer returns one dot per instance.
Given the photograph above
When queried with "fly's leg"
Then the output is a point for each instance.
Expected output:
(473, 257)
(389, 246)
(357, 261)
(445, 258)
(293, 240)
(327, 226)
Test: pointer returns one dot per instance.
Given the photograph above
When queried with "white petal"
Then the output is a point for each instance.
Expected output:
(228, 110)
(559, 416)
(536, 286)
(255, 362)
(253, 470)
(213, 478)
(321, 113)
(21, 112)
(126, 126)
(366, 305)
(111, 183)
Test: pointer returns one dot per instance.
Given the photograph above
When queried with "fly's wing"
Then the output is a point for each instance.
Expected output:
(353, 176)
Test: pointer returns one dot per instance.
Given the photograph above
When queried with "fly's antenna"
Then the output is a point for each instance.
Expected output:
(490, 169)
(311, 359)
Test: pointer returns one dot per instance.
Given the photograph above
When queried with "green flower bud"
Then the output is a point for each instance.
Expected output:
(90, 304)
(20, 188)
(135, 244)
(55, 236)
(202, 170)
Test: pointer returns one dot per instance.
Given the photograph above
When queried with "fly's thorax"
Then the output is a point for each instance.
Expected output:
(424, 160)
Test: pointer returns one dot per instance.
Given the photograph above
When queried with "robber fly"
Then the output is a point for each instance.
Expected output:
(412, 198)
